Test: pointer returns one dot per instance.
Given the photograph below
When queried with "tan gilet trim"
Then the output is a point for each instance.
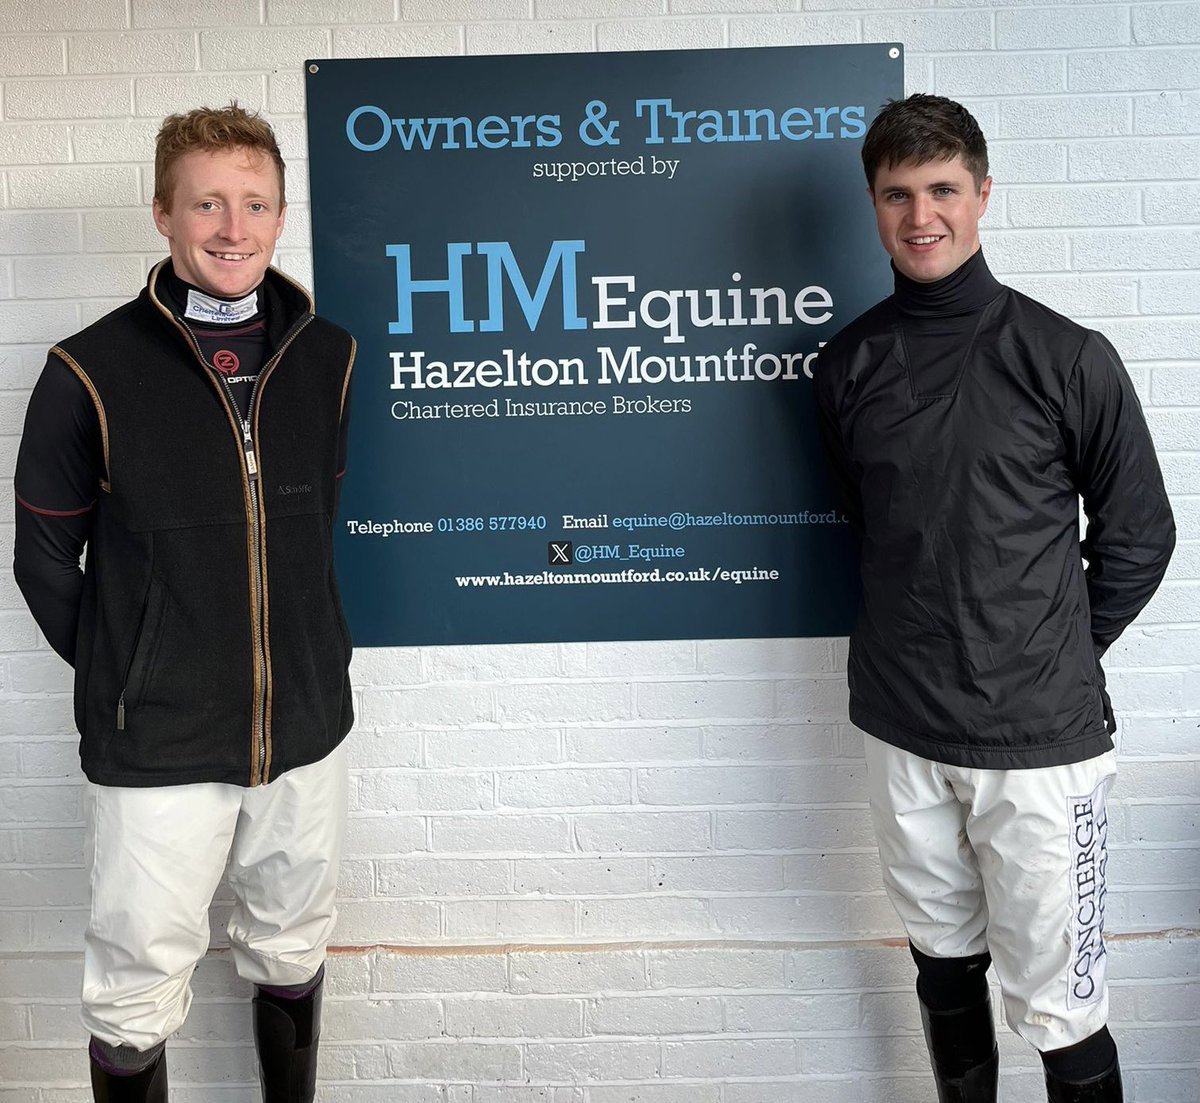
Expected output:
(346, 381)
(73, 364)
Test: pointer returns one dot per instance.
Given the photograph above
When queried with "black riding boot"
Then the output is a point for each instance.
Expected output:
(962, 1050)
(1105, 1088)
(285, 1035)
(147, 1086)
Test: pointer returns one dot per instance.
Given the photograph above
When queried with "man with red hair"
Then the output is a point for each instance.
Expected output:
(192, 442)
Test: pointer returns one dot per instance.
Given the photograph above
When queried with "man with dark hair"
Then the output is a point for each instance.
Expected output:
(192, 440)
(964, 422)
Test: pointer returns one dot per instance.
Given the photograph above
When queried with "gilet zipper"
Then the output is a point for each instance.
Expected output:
(250, 465)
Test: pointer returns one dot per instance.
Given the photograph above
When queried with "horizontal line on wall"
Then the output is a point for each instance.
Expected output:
(504, 949)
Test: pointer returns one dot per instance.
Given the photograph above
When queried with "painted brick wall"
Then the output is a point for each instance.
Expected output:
(607, 873)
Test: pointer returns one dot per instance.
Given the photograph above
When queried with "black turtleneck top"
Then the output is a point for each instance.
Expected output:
(964, 422)
(939, 321)
(234, 348)
(966, 289)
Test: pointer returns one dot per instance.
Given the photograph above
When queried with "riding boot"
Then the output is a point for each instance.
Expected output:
(285, 1035)
(962, 1050)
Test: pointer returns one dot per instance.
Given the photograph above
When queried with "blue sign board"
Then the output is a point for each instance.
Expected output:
(589, 291)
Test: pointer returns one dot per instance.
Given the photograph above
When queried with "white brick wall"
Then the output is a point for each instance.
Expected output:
(607, 873)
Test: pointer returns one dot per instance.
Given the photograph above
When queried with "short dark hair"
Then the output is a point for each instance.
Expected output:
(924, 128)
(210, 130)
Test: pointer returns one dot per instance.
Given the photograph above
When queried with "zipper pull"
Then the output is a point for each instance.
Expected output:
(251, 459)
(121, 712)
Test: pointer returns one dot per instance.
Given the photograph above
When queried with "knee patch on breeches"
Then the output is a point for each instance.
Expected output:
(292, 991)
(1083, 1061)
(123, 1060)
(948, 983)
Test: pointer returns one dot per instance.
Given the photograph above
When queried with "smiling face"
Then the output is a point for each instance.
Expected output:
(224, 219)
(928, 215)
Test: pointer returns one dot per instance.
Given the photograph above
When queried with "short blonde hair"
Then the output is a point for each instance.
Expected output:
(210, 129)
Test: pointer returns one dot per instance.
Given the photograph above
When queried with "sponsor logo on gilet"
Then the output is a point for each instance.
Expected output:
(1088, 824)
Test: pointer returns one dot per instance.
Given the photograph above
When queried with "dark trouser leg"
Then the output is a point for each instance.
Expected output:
(287, 1024)
(956, 1012)
(120, 1074)
(1087, 1072)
